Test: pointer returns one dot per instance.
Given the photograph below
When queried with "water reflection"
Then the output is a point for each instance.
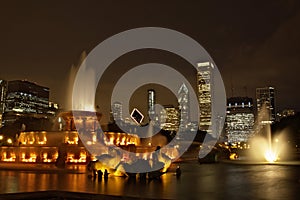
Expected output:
(205, 181)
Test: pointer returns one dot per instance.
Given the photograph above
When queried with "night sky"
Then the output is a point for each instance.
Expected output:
(254, 43)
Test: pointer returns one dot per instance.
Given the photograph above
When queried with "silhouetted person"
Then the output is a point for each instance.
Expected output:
(94, 174)
(106, 175)
(178, 171)
(143, 176)
(62, 155)
(100, 173)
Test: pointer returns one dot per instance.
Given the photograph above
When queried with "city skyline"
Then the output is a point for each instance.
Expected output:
(250, 52)
(149, 99)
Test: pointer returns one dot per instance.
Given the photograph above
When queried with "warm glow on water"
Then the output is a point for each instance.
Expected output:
(205, 181)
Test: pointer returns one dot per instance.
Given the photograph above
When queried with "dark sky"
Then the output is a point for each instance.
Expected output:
(254, 43)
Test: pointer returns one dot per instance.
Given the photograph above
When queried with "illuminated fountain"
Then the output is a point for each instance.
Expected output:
(263, 146)
(119, 152)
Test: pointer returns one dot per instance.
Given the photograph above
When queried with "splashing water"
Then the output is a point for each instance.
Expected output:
(83, 93)
(270, 156)
(262, 145)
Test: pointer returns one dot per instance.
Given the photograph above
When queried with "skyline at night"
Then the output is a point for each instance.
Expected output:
(134, 99)
(253, 45)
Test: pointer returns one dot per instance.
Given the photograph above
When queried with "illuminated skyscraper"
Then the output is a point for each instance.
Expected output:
(266, 97)
(169, 118)
(3, 90)
(204, 81)
(239, 119)
(184, 106)
(151, 103)
(117, 111)
(27, 97)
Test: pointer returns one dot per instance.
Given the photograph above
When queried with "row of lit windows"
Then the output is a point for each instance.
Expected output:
(241, 105)
(239, 126)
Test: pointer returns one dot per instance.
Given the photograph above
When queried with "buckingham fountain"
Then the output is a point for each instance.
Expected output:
(77, 137)
(121, 153)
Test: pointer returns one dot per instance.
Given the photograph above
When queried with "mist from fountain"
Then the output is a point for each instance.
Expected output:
(83, 98)
(84, 88)
(263, 146)
(70, 81)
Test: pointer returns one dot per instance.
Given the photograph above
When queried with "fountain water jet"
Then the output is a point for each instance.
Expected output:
(262, 145)
(70, 81)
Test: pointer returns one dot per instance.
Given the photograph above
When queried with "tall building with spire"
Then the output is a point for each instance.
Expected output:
(3, 91)
(204, 82)
(184, 107)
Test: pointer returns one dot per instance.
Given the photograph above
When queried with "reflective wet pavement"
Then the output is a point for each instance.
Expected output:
(206, 181)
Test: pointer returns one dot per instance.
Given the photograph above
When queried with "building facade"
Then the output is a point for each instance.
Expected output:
(184, 107)
(151, 103)
(285, 113)
(204, 82)
(265, 99)
(27, 97)
(26, 100)
(117, 111)
(169, 118)
(240, 119)
(3, 91)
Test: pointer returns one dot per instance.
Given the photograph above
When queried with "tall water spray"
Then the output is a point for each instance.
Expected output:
(263, 146)
(71, 79)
